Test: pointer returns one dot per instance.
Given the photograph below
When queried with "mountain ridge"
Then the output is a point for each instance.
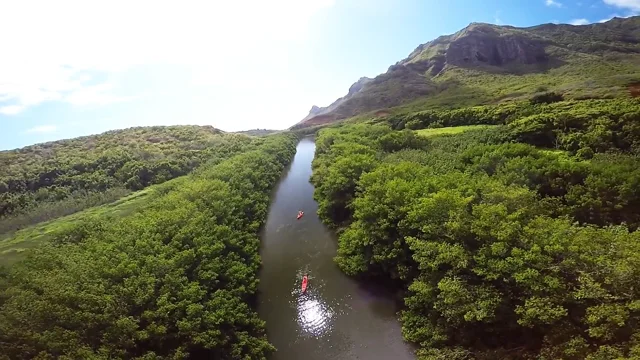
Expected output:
(484, 63)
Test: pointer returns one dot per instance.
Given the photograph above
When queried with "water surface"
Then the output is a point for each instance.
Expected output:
(337, 318)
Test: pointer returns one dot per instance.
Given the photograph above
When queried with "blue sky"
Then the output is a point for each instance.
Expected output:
(77, 67)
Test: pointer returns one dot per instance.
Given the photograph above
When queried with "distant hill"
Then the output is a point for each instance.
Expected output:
(56, 178)
(486, 63)
(257, 132)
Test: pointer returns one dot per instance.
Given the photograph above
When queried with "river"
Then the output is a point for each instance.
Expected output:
(337, 318)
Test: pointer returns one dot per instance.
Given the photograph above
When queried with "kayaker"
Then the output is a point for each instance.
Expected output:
(305, 281)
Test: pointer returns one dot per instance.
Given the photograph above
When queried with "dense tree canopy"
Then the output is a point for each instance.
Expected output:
(175, 280)
(582, 127)
(506, 246)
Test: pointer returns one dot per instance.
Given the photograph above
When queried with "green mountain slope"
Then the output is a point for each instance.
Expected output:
(49, 180)
(485, 64)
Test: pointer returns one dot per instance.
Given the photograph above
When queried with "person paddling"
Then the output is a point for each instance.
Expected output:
(300, 213)
(305, 282)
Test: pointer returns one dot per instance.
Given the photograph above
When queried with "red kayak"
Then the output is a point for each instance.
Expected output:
(300, 215)
(305, 280)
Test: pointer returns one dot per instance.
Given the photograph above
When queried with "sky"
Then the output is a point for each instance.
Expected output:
(78, 67)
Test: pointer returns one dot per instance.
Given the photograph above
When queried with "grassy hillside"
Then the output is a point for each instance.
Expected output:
(48, 180)
(488, 64)
(15, 246)
(449, 130)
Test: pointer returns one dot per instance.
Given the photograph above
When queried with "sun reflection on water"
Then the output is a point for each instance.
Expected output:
(314, 315)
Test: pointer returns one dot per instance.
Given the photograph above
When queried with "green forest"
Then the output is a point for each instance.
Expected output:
(513, 240)
(175, 279)
(45, 181)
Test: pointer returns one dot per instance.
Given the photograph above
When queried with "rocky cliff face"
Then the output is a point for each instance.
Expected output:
(315, 110)
(495, 50)
(479, 44)
(358, 85)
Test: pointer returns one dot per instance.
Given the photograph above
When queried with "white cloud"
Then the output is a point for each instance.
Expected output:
(553, 3)
(633, 5)
(579, 22)
(11, 109)
(57, 52)
(41, 129)
(95, 95)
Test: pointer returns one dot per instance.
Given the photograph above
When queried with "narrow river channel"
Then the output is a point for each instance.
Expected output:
(337, 318)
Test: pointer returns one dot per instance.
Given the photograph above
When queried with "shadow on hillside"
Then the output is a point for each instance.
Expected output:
(515, 68)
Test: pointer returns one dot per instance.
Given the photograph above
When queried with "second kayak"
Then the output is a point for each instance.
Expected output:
(305, 281)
